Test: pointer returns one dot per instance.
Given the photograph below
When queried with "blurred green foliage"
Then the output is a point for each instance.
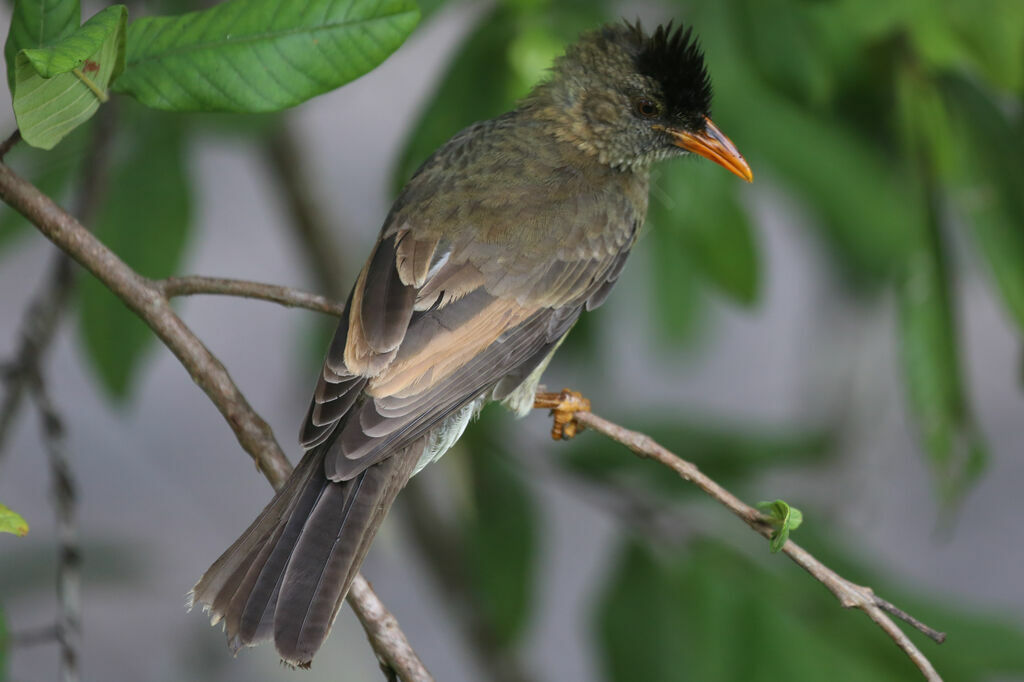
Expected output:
(896, 125)
(893, 125)
(144, 219)
(706, 613)
(501, 534)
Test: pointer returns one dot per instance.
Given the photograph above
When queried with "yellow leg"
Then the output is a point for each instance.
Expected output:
(564, 407)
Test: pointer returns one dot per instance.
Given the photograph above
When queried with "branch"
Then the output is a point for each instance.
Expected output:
(146, 299)
(850, 595)
(38, 325)
(286, 296)
(8, 144)
(387, 639)
(69, 603)
(41, 317)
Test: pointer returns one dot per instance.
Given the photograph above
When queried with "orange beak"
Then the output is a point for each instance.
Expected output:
(714, 145)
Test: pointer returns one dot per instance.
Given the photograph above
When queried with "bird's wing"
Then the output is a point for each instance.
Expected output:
(436, 318)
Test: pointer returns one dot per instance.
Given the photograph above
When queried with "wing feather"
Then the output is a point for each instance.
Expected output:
(467, 286)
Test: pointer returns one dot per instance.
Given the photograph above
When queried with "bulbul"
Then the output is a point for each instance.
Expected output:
(494, 248)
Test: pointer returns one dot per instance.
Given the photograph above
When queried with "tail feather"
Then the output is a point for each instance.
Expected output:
(261, 592)
(288, 574)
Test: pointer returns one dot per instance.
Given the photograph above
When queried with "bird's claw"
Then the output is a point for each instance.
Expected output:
(564, 407)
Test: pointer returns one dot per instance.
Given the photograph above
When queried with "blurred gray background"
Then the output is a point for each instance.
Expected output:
(164, 487)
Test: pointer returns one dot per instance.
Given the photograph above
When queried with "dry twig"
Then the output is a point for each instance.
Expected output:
(146, 299)
(286, 296)
(69, 603)
(850, 595)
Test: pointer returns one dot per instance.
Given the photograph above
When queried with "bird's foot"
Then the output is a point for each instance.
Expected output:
(564, 407)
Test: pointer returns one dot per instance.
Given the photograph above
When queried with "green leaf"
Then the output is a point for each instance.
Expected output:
(933, 375)
(782, 44)
(500, 536)
(847, 179)
(678, 295)
(37, 23)
(640, 625)
(699, 201)
(260, 55)
(785, 519)
(928, 328)
(986, 181)
(145, 220)
(73, 51)
(706, 613)
(12, 522)
(57, 88)
(507, 52)
(992, 32)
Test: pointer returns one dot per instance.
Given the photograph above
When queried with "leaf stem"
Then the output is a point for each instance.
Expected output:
(96, 90)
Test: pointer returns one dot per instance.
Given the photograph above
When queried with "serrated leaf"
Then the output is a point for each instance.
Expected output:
(500, 535)
(57, 88)
(12, 522)
(260, 55)
(699, 202)
(145, 220)
(37, 23)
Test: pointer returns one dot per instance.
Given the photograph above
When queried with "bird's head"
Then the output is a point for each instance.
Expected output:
(631, 98)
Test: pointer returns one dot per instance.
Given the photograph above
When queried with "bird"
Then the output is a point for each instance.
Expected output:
(491, 252)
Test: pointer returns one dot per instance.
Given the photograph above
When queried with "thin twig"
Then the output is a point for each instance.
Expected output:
(8, 144)
(38, 325)
(69, 603)
(286, 296)
(146, 300)
(850, 595)
(387, 639)
(44, 312)
(35, 637)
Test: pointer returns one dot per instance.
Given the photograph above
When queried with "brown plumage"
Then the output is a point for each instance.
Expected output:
(487, 258)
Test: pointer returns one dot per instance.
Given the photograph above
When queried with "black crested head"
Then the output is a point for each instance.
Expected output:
(672, 57)
(631, 99)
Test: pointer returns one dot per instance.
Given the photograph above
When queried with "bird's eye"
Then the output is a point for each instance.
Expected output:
(646, 108)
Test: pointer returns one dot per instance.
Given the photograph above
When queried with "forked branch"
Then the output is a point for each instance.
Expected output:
(849, 594)
(147, 299)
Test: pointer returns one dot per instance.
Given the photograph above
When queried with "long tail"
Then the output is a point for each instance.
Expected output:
(287, 575)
